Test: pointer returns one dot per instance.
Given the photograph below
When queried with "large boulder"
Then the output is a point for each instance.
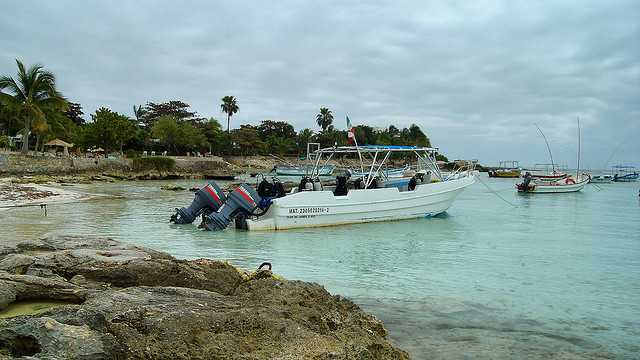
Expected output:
(125, 301)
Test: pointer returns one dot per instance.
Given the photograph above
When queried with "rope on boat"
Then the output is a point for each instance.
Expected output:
(495, 192)
(42, 206)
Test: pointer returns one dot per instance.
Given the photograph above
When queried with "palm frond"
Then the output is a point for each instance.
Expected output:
(7, 99)
(7, 82)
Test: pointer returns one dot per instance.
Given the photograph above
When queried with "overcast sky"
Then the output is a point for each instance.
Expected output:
(475, 75)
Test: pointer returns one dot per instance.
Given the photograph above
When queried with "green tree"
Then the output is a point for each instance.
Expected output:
(178, 136)
(138, 113)
(74, 113)
(281, 145)
(33, 92)
(279, 129)
(229, 106)
(324, 118)
(167, 130)
(440, 157)
(417, 137)
(247, 140)
(304, 137)
(40, 128)
(9, 122)
(108, 130)
(216, 137)
(175, 108)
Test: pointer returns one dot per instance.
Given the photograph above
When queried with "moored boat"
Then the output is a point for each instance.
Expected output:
(565, 185)
(625, 173)
(548, 172)
(292, 170)
(370, 198)
(602, 178)
(506, 169)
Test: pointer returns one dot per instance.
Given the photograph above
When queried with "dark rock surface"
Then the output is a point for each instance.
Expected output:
(128, 302)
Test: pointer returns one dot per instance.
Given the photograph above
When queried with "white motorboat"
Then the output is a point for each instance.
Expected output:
(602, 179)
(371, 200)
(373, 197)
(568, 184)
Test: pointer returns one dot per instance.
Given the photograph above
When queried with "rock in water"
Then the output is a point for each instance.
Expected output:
(129, 302)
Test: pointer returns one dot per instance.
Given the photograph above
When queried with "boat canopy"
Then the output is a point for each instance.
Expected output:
(378, 154)
(375, 148)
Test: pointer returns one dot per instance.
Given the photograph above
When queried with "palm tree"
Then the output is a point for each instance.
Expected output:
(138, 112)
(324, 118)
(230, 107)
(33, 93)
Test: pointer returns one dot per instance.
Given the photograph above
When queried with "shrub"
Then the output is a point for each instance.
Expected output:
(159, 163)
(4, 142)
(132, 154)
(440, 157)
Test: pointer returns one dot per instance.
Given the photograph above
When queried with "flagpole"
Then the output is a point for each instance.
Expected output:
(355, 141)
(359, 155)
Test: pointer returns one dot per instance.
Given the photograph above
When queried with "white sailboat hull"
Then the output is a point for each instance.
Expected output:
(322, 208)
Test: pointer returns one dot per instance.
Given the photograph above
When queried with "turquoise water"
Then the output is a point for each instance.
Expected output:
(547, 276)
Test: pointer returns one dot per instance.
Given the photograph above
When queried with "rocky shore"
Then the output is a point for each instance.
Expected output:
(102, 299)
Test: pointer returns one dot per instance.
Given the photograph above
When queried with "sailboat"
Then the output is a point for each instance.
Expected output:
(566, 184)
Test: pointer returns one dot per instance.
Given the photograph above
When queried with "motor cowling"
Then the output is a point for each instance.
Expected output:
(243, 200)
(208, 198)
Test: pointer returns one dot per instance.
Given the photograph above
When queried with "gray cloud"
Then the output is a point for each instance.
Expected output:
(474, 75)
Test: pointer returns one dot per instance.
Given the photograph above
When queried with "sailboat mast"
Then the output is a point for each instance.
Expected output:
(578, 169)
(553, 167)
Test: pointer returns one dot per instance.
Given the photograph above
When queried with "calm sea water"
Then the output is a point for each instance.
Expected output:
(546, 276)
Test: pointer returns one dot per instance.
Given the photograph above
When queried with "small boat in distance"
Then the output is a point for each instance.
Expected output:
(390, 172)
(294, 170)
(547, 172)
(506, 169)
(554, 182)
(602, 178)
(624, 173)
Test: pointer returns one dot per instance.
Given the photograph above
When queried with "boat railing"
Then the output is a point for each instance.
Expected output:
(379, 155)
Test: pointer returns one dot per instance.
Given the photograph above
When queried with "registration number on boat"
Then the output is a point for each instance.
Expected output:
(308, 210)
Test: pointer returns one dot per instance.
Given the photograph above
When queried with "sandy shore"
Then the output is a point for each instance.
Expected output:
(17, 195)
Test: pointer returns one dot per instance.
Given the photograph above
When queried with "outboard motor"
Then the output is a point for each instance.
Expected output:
(524, 186)
(208, 198)
(243, 200)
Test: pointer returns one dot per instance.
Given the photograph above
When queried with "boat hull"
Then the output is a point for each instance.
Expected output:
(505, 174)
(302, 171)
(554, 188)
(322, 208)
(601, 179)
(626, 178)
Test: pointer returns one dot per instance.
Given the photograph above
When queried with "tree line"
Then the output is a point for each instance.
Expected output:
(31, 104)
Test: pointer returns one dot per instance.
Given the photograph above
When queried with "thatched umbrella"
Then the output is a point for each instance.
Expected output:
(57, 142)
